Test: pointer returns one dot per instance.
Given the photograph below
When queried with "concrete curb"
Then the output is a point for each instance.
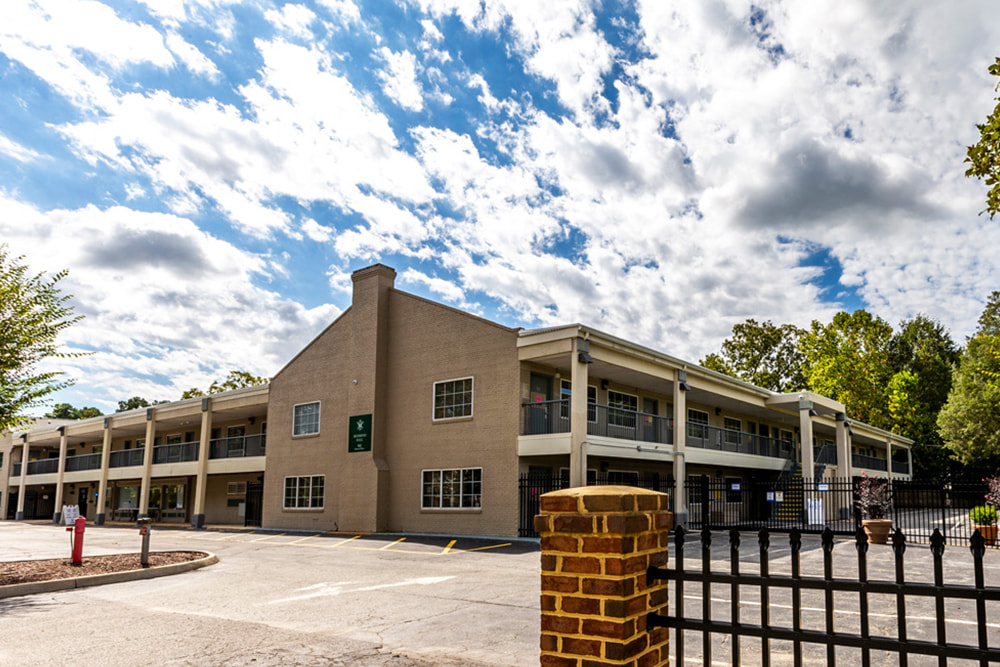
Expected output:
(34, 587)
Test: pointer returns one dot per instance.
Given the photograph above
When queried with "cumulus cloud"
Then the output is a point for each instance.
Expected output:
(400, 81)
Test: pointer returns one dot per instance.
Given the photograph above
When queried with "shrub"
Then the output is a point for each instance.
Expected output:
(993, 495)
(873, 497)
(983, 515)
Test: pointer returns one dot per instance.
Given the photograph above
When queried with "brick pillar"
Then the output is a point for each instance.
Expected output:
(597, 543)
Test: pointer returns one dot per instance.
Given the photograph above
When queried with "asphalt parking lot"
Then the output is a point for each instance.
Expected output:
(282, 599)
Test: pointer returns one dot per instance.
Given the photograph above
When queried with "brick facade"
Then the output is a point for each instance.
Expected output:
(596, 545)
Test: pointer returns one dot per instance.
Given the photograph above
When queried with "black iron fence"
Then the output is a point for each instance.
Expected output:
(753, 612)
(532, 485)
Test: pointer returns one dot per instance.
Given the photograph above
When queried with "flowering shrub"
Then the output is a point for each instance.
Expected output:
(873, 497)
(984, 515)
(993, 494)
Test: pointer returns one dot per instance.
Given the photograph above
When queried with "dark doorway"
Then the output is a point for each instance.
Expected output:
(82, 497)
(254, 504)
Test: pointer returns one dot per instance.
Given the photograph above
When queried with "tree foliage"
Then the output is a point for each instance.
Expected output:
(33, 313)
(235, 380)
(67, 411)
(984, 155)
(136, 402)
(763, 354)
(846, 360)
(968, 421)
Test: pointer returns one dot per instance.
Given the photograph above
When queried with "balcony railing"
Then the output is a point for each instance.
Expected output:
(901, 467)
(869, 462)
(83, 462)
(42, 467)
(729, 440)
(124, 458)
(545, 417)
(244, 445)
(175, 453)
(16, 472)
(825, 455)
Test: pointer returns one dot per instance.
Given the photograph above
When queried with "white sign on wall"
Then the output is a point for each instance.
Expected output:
(70, 513)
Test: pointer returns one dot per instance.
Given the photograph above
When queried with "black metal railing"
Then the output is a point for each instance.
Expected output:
(856, 593)
(807, 505)
(124, 458)
(532, 485)
(547, 417)
(825, 454)
(237, 447)
(83, 462)
(177, 452)
(901, 467)
(868, 462)
(43, 467)
(704, 436)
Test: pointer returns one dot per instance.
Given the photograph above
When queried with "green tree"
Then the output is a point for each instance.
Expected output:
(33, 313)
(763, 354)
(235, 380)
(67, 411)
(984, 155)
(847, 361)
(922, 356)
(136, 402)
(989, 319)
(968, 420)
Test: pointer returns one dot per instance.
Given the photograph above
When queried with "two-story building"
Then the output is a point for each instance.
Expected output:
(409, 415)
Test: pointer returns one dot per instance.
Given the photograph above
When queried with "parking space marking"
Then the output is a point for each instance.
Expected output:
(391, 544)
(448, 548)
(267, 537)
(488, 546)
(339, 544)
(303, 539)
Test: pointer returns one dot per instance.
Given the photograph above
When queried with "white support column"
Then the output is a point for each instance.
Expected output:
(843, 447)
(60, 476)
(579, 378)
(201, 481)
(102, 486)
(888, 458)
(806, 439)
(680, 444)
(147, 463)
(25, 448)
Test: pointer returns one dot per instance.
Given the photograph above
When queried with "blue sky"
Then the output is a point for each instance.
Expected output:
(212, 171)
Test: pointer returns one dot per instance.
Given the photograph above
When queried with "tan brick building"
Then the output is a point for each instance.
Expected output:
(408, 415)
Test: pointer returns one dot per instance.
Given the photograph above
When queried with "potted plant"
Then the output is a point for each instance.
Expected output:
(984, 519)
(874, 502)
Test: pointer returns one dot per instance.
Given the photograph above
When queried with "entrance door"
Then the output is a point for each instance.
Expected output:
(252, 511)
(650, 406)
(539, 412)
(83, 494)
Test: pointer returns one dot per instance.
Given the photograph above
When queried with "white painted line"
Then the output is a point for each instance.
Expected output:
(307, 537)
(336, 588)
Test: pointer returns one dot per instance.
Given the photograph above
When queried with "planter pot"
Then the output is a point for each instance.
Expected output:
(877, 530)
(989, 533)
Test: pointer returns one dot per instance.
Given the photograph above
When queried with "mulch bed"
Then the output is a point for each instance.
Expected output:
(24, 571)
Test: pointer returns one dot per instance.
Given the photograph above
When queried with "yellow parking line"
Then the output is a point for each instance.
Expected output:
(334, 546)
(448, 548)
(491, 546)
(266, 537)
(307, 537)
(391, 544)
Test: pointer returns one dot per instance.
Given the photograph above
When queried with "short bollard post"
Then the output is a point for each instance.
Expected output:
(144, 529)
(77, 539)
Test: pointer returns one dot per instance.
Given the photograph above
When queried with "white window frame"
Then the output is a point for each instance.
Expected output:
(310, 506)
(628, 417)
(461, 491)
(319, 412)
(471, 404)
(591, 404)
(697, 428)
(731, 435)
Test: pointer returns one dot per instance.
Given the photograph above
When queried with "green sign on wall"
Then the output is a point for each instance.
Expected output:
(359, 434)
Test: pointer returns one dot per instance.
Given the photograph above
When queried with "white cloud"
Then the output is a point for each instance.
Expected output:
(399, 80)
(192, 58)
(17, 151)
(292, 19)
(161, 299)
(316, 232)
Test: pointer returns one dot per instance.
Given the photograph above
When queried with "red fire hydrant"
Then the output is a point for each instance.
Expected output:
(76, 540)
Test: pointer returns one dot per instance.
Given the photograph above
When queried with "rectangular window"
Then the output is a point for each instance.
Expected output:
(622, 409)
(236, 489)
(566, 391)
(452, 489)
(623, 478)
(697, 424)
(732, 432)
(304, 492)
(453, 399)
(1, 460)
(305, 419)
